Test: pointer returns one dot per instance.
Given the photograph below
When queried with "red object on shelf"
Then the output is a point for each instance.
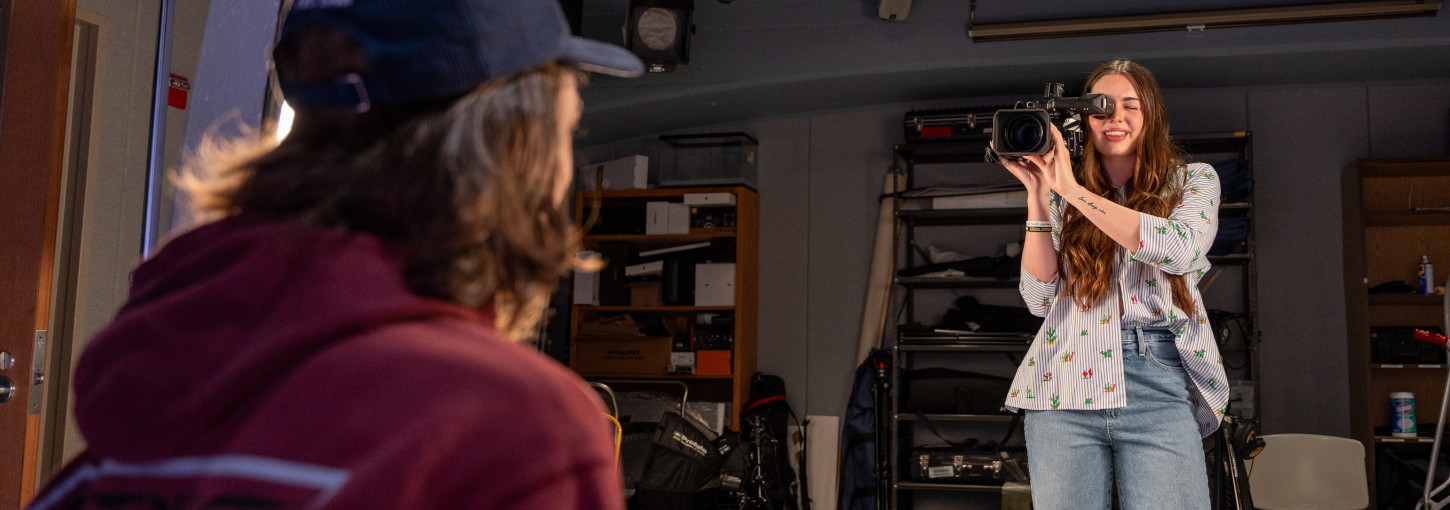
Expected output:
(712, 362)
(176, 92)
(1430, 336)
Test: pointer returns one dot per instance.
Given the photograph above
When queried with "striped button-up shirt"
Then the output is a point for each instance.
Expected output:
(1075, 363)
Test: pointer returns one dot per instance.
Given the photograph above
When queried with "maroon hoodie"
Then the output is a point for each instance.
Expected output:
(269, 365)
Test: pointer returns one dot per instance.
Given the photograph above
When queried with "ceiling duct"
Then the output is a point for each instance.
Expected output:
(1203, 20)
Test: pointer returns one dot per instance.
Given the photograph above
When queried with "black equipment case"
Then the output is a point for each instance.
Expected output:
(952, 465)
(950, 124)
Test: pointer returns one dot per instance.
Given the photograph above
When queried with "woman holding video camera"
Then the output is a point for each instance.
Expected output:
(1124, 378)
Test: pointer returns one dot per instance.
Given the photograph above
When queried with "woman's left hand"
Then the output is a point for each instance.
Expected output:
(1056, 166)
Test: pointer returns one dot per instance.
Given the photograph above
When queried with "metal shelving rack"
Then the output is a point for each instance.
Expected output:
(910, 346)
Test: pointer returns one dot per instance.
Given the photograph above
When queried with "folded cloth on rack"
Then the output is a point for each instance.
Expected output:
(969, 315)
(1234, 177)
(1232, 233)
(1004, 268)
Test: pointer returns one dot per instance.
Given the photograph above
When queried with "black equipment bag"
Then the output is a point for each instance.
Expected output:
(950, 124)
(682, 469)
(767, 400)
(948, 391)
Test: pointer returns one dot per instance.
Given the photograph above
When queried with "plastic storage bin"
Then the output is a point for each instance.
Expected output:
(723, 159)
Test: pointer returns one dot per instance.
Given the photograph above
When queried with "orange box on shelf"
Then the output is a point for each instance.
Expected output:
(712, 362)
(631, 356)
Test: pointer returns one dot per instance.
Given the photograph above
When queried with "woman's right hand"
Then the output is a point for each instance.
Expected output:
(1026, 171)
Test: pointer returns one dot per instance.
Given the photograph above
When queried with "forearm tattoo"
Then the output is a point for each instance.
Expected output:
(1084, 200)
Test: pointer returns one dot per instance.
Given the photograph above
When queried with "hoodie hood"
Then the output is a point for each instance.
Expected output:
(220, 316)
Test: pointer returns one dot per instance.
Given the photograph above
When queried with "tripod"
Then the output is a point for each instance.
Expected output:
(753, 491)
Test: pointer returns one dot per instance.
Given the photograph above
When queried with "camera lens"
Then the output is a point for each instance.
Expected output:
(1025, 133)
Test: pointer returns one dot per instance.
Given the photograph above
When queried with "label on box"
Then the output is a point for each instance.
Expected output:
(940, 472)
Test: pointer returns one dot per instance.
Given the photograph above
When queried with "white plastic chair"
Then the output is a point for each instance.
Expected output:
(1309, 472)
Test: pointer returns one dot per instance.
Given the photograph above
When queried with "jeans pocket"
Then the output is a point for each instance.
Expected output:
(1165, 356)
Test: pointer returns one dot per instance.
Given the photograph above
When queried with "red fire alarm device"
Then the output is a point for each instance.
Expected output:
(176, 93)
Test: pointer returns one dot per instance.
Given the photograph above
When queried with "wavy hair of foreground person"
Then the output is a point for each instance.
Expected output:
(1150, 191)
(465, 183)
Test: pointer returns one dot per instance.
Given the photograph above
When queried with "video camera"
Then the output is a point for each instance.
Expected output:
(1023, 131)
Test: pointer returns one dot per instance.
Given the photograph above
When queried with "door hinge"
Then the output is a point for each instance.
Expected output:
(37, 374)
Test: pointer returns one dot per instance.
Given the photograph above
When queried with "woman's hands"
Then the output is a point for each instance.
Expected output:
(1053, 170)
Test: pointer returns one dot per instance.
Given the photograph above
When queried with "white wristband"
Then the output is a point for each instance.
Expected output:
(1047, 224)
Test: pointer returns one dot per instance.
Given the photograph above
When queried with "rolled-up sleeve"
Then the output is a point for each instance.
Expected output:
(1037, 294)
(1179, 243)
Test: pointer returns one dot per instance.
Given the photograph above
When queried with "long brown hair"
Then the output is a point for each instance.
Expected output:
(465, 182)
(1153, 189)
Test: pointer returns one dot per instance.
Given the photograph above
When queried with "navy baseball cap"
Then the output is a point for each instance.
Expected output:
(425, 49)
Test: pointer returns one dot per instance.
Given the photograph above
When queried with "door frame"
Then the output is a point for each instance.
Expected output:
(33, 104)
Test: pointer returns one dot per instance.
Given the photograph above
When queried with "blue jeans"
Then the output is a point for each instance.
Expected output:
(1151, 447)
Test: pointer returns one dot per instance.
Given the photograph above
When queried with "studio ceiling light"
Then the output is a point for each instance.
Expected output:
(1203, 20)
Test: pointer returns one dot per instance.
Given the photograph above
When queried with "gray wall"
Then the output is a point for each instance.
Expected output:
(820, 175)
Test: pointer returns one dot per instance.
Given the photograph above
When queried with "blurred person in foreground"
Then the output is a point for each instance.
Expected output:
(344, 332)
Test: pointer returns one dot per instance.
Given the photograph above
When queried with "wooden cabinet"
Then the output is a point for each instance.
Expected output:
(614, 223)
(1395, 211)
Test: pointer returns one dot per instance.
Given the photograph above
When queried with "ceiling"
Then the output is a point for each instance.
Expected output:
(753, 59)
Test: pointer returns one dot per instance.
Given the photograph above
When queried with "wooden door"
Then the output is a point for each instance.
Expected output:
(36, 80)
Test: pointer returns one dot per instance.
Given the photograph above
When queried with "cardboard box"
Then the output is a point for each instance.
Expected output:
(712, 362)
(646, 293)
(715, 284)
(682, 363)
(586, 288)
(679, 222)
(627, 356)
(629, 172)
(657, 218)
(709, 199)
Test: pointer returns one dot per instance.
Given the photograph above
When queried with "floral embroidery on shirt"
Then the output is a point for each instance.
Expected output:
(1067, 357)
(1087, 402)
(1199, 352)
(1054, 401)
(1087, 374)
(1051, 336)
(1047, 377)
(1032, 362)
(1105, 319)
(1108, 353)
(1110, 388)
